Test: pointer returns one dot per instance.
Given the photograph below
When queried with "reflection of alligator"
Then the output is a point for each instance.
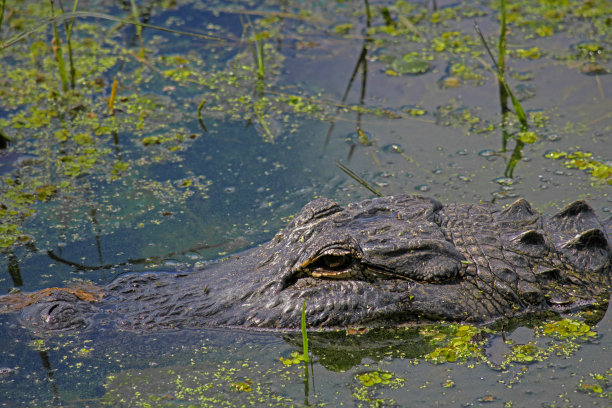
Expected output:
(384, 261)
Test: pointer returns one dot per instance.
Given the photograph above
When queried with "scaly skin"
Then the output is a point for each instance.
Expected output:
(386, 261)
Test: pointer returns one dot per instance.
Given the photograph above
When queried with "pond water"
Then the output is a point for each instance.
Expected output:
(210, 143)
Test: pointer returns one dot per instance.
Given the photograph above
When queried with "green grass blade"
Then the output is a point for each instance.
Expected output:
(59, 56)
(136, 17)
(517, 154)
(261, 65)
(501, 56)
(74, 8)
(68, 27)
(518, 109)
(358, 179)
(112, 98)
(83, 14)
(1, 12)
(256, 43)
(200, 120)
(304, 334)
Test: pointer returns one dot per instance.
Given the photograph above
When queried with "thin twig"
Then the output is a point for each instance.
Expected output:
(358, 179)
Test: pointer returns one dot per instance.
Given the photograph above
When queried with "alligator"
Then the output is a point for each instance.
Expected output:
(389, 261)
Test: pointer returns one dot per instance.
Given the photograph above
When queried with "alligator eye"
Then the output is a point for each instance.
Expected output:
(334, 262)
(332, 266)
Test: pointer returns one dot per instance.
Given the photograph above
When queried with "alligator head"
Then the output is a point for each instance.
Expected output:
(385, 261)
(404, 259)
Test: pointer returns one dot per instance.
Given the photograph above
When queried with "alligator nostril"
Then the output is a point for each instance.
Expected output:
(49, 313)
(52, 308)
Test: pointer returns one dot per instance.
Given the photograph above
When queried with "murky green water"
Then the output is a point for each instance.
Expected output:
(404, 98)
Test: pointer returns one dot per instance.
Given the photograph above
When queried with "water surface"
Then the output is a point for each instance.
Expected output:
(402, 95)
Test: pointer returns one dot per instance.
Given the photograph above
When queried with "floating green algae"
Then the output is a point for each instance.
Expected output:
(568, 329)
(601, 170)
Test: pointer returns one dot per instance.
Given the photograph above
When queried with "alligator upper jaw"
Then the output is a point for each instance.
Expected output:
(335, 304)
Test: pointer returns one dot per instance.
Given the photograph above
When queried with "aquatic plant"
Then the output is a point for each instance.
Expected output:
(2, 4)
(501, 57)
(375, 377)
(599, 169)
(57, 51)
(112, 97)
(459, 345)
(136, 17)
(523, 136)
(85, 14)
(568, 329)
(304, 333)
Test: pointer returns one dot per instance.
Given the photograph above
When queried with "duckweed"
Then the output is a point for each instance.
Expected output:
(531, 53)
(584, 161)
(296, 358)
(410, 64)
(527, 137)
(527, 353)
(375, 377)
(568, 329)
(457, 346)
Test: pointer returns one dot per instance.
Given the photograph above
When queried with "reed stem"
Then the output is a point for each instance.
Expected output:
(304, 334)
(57, 52)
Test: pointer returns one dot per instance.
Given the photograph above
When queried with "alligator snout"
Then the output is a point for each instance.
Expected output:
(62, 311)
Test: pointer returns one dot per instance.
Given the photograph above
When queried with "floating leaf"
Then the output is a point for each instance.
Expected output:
(527, 137)
(410, 64)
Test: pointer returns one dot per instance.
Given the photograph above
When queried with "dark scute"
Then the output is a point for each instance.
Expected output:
(573, 209)
(319, 208)
(518, 210)
(546, 275)
(591, 239)
(531, 237)
(530, 293)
